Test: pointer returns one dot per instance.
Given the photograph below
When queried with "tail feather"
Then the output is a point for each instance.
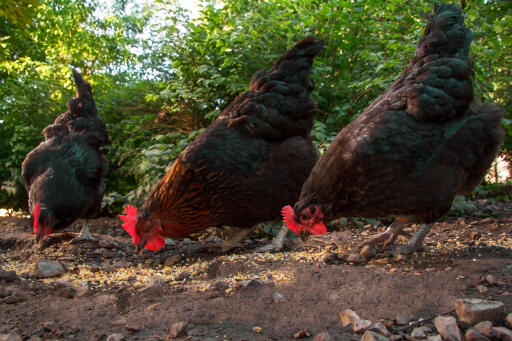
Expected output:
(277, 104)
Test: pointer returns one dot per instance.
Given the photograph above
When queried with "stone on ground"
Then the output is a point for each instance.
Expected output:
(447, 327)
(474, 310)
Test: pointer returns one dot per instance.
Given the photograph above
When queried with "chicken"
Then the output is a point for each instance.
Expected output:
(65, 174)
(245, 166)
(413, 149)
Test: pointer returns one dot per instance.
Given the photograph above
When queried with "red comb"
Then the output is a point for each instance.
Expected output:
(35, 215)
(130, 220)
(289, 220)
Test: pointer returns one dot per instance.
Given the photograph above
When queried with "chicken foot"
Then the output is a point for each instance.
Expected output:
(416, 241)
(227, 245)
(84, 235)
(389, 236)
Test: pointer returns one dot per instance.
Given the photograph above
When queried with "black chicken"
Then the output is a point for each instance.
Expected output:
(413, 149)
(245, 166)
(65, 174)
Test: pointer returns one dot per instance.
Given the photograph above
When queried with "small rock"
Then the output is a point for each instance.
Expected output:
(434, 338)
(355, 258)
(380, 328)
(482, 289)
(212, 270)
(48, 268)
(387, 323)
(474, 335)
(12, 336)
(171, 260)
(14, 298)
(508, 320)
(177, 330)
(81, 290)
(504, 334)
(341, 256)
(485, 328)
(187, 241)
(9, 276)
(473, 310)
(490, 279)
(330, 258)
(277, 297)
(373, 336)
(257, 330)
(301, 334)
(368, 252)
(358, 325)
(323, 336)
(401, 258)
(402, 320)
(447, 327)
(107, 244)
(108, 254)
(133, 327)
(106, 299)
(169, 241)
(220, 286)
(421, 332)
(115, 337)
(119, 322)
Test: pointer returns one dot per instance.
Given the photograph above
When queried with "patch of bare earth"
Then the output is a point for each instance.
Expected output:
(106, 289)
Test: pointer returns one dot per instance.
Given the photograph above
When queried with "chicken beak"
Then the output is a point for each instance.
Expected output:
(304, 235)
(140, 248)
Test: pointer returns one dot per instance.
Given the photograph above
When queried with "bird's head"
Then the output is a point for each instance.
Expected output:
(145, 230)
(42, 222)
(308, 220)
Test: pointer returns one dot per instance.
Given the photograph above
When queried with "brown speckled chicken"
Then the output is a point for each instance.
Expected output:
(245, 166)
(413, 149)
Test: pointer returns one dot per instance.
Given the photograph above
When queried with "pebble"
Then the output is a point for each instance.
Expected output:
(474, 335)
(277, 297)
(358, 325)
(368, 252)
(257, 330)
(473, 310)
(119, 322)
(401, 258)
(485, 328)
(434, 338)
(12, 336)
(482, 289)
(421, 332)
(447, 327)
(490, 279)
(116, 337)
(48, 268)
(508, 320)
(503, 334)
(107, 244)
(402, 320)
(171, 260)
(323, 336)
(301, 334)
(373, 336)
(9, 276)
(177, 330)
(355, 258)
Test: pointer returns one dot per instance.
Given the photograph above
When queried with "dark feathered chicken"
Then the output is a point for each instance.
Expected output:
(245, 166)
(413, 149)
(65, 174)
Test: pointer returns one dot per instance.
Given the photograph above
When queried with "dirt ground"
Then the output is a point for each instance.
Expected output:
(107, 289)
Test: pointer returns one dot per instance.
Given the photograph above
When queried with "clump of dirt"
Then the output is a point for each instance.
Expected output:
(244, 295)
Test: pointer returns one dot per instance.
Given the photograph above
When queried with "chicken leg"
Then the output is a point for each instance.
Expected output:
(277, 242)
(389, 236)
(229, 244)
(416, 241)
